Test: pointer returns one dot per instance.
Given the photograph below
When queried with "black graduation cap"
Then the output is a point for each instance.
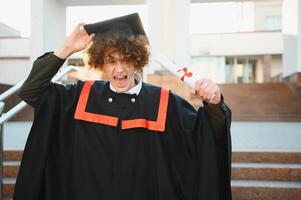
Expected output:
(126, 25)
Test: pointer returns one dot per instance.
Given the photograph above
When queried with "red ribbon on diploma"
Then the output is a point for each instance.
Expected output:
(185, 70)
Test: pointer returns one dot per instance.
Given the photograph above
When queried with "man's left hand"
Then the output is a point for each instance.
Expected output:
(208, 91)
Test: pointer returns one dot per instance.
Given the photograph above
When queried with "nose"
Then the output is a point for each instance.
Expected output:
(119, 68)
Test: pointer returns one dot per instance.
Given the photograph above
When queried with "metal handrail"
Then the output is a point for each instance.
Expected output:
(2, 104)
(11, 91)
(20, 106)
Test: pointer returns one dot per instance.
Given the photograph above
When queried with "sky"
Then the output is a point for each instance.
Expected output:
(224, 17)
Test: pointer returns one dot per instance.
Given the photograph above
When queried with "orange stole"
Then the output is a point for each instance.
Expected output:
(158, 125)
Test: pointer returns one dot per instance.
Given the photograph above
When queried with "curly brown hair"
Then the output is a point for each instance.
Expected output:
(132, 48)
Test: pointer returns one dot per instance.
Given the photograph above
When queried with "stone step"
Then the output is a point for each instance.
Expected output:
(237, 157)
(266, 157)
(271, 118)
(12, 155)
(256, 175)
(278, 115)
(265, 190)
(241, 189)
(8, 187)
(11, 168)
(266, 171)
(240, 171)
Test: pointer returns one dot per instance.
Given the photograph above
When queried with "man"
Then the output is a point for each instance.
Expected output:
(121, 138)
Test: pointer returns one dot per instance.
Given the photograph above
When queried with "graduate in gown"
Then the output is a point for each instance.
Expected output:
(121, 138)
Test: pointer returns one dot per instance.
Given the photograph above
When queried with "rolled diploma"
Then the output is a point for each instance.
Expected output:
(173, 68)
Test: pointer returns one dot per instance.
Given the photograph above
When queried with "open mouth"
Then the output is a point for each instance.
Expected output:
(120, 78)
(120, 81)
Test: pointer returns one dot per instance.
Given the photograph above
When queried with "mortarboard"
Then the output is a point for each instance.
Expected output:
(126, 25)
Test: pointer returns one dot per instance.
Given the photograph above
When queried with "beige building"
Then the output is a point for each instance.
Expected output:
(253, 53)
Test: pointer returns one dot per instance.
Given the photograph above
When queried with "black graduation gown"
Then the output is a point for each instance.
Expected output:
(88, 142)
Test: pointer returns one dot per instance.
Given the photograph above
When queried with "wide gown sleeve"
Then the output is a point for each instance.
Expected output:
(49, 145)
(43, 70)
(209, 148)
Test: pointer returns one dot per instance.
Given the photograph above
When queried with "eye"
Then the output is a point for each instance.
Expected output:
(110, 61)
(125, 62)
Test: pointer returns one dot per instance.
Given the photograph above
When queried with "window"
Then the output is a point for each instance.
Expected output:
(273, 23)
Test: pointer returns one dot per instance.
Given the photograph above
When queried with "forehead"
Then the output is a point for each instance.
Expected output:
(113, 53)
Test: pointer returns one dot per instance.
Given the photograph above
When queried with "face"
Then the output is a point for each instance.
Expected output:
(119, 72)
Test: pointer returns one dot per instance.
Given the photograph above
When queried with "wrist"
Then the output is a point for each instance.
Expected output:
(63, 52)
(216, 99)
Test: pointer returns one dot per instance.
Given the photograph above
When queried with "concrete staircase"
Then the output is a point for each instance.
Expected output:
(12, 161)
(266, 175)
(262, 102)
(255, 175)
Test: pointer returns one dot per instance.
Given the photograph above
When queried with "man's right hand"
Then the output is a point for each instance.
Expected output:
(78, 40)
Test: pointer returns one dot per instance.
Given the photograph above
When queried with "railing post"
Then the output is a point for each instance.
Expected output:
(1, 152)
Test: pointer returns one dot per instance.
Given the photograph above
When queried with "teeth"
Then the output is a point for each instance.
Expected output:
(124, 77)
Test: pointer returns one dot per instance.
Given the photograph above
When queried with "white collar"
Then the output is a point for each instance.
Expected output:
(135, 90)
